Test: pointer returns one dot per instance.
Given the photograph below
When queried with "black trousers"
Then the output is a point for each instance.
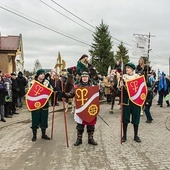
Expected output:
(80, 127)
(14, 102)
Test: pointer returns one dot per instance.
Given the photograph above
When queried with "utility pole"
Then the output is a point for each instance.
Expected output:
(148, 56)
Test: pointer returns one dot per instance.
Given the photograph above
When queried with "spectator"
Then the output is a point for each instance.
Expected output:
(148, 103)
(15, 92)
(117, 66)
(8, 101)
(140, 67)
(22, 82)
(163, 89)
(107, 86)
(3, 93)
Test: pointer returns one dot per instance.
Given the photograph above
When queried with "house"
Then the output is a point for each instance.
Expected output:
(11, 54)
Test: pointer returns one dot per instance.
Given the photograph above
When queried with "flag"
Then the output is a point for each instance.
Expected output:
(140, 45)
(162, 83)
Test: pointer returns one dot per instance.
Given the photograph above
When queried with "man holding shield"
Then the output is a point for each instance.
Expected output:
(37, 102)
(87, 108)
(134, 95)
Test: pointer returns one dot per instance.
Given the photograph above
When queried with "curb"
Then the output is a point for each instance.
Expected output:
(6, 124)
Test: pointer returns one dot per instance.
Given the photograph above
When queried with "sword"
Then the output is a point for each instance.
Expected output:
(103, 120)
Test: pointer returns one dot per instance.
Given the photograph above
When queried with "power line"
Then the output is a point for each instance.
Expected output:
(51, 29)
(65, 15)
(155, 54)
(84, 20)
(72, 14)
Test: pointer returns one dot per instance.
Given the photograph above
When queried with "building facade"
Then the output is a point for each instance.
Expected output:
(11, 54)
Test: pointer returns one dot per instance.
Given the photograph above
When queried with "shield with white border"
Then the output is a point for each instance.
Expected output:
(137, 90)
(37, 96)
(87, 102)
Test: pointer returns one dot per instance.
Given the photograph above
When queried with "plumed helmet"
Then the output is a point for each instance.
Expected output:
(131, 65)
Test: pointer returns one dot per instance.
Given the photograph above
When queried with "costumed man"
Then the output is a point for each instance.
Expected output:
(84, 82)
(82, 64)
(40, 115)
(129, 107)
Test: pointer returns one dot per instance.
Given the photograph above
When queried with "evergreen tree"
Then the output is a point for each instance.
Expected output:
(101, 55)
(121, 54)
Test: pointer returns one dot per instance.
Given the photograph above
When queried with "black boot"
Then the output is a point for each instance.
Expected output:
(124, 138)
(3, 120)
(167, 102)
(91, 141)
(44, 136)
(34, 138)
(79, 138)
(136, 138)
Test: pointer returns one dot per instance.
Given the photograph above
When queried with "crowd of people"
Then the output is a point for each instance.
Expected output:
(12, 92)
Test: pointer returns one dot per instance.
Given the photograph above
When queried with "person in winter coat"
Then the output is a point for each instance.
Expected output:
(148, 103)
(22, 82)
(15, 92)
(8, 99)
(3, 93)
(117, 66)
(163, 89)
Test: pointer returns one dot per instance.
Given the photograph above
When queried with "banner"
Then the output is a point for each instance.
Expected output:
(140, 46)
(37, 96)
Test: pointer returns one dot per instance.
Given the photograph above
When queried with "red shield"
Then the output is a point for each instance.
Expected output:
(37, 96)
(137, 90)
(87, 102)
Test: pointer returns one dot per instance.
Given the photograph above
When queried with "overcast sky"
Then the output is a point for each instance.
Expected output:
(124, 18)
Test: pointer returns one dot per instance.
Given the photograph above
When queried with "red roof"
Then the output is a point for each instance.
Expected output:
(9, 42)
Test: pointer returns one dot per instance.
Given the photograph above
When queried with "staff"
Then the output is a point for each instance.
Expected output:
(121, 110)
(65, 120)
(52, 126)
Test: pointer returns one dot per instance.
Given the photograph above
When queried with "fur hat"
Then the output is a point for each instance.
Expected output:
(13, 74)
(85, 74)
(40, 71)
(131, 65)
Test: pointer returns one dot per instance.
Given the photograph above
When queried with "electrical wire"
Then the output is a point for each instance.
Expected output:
(84, 20)
(65, 16)
(72, 14)
(44, 26)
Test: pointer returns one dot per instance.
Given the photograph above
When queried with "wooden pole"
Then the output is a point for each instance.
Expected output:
(54, 99)
(121, 110)
(65, 120)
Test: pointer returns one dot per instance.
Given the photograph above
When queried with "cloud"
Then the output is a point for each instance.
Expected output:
(123, 17)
